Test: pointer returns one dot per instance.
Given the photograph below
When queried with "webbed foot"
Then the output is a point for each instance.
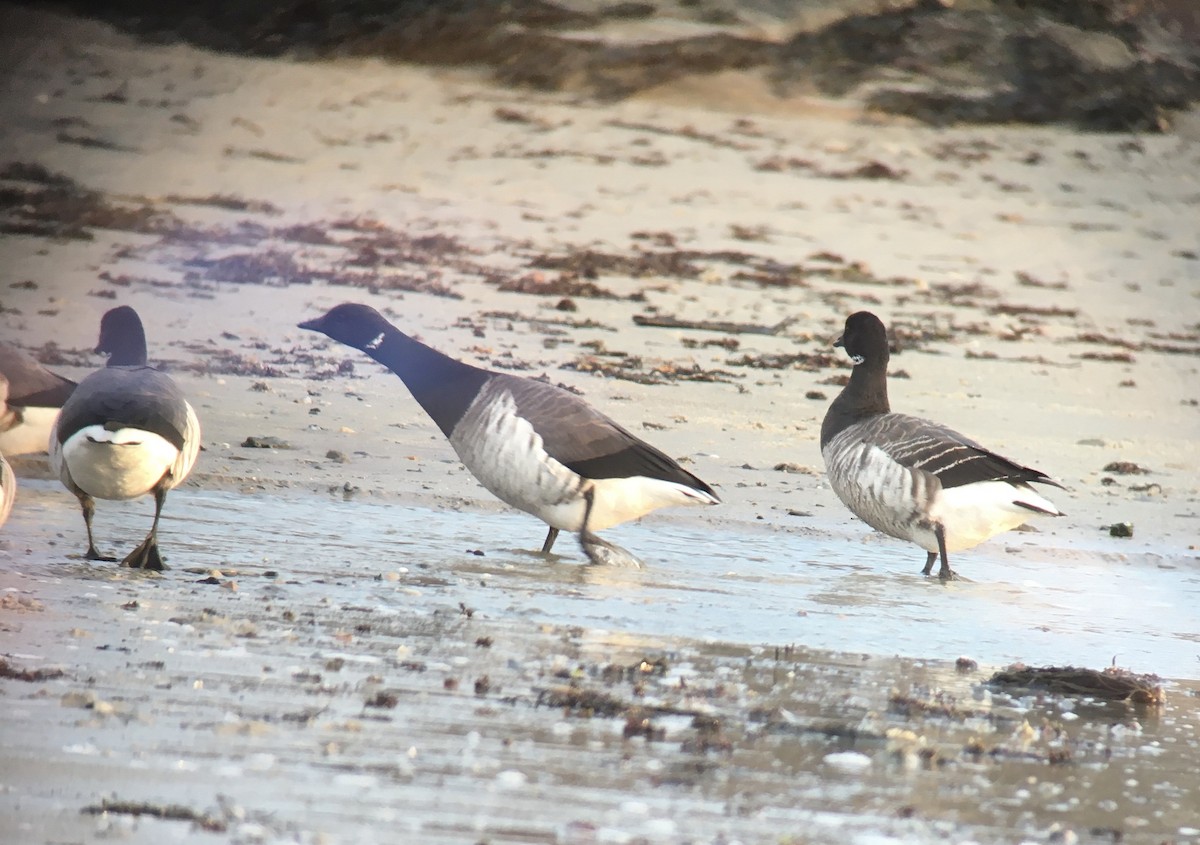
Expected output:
(603, 553)
(145, 556)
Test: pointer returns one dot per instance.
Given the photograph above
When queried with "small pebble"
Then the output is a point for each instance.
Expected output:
(511, 779)
(848, 761)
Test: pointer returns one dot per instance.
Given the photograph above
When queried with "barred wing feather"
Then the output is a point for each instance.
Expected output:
(956, 460)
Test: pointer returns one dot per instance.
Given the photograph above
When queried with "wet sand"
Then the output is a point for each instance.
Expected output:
(361, 648)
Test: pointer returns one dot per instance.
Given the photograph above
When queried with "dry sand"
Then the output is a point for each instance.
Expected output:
(1044, 283)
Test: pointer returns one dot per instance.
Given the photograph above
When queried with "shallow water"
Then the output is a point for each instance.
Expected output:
(745, 587)
(371, 679)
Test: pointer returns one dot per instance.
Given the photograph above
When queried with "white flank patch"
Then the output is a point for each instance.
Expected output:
(622, 499)
(122, 464)
(975, 512)
(191, 448)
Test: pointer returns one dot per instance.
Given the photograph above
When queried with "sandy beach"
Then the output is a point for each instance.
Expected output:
(378, 656)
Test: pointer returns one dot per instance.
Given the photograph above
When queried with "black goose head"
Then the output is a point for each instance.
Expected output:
(865, 394)
(865, 339)
(122, 338)
(443, 386)
(351, 323)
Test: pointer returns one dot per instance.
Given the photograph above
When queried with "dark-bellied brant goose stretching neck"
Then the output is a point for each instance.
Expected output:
(911, 478)
(535, 446)
(125, 431)
(34, 397)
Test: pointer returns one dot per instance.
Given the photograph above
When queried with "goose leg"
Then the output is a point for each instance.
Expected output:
(551, 536)
(945, 572)
(930, 558)
(146, 555)
(88, 504)
(602, 552)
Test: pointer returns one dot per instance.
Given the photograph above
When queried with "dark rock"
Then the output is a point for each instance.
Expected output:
(1126, 468)
(255, 441)
(1120, 529)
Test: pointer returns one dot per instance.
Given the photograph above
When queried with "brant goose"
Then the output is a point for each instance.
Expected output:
(8, 481)
(125, 431)
(34, 396)
(911, 478)
(533, 445)
(8, 489)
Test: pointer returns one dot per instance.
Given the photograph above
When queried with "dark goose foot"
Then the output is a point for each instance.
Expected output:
(92, 554)
(603, 553)
(145, 556)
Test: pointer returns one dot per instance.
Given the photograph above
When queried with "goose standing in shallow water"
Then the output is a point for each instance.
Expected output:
(911, 478)
(34, 398)
(532, 445)
(8, 481)
(125, 431)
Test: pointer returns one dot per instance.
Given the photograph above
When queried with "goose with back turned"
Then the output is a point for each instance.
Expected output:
(911, 478)
(126, 431)
(534, 446)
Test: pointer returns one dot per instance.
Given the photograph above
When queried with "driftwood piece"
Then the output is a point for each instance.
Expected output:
(668, 321)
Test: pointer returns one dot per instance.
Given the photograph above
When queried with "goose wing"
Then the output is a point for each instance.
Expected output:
(586, 441)
(955, 459)
(31, 384)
